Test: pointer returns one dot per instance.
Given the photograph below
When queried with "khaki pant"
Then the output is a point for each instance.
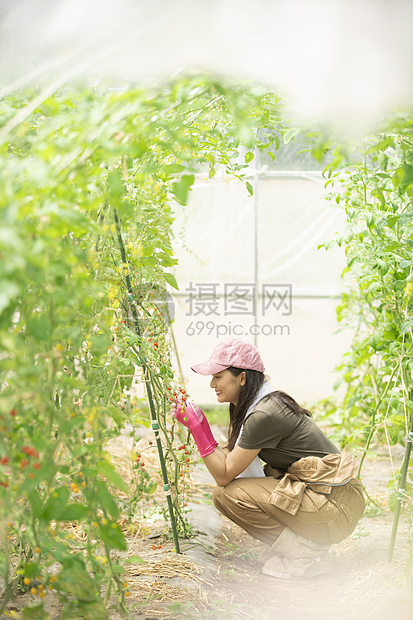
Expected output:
(321, 518)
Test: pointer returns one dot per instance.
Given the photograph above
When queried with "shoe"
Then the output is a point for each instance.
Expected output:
(293, 556)
(292, 568)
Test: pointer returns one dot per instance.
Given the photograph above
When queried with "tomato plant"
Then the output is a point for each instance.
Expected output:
(88, 179)
(373, 183)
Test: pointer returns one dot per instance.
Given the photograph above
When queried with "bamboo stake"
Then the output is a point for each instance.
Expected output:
(402, 485)
(154, 419)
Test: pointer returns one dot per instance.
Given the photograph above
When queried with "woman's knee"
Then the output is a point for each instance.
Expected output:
(236, 493)
(217, 495)
(224, 497)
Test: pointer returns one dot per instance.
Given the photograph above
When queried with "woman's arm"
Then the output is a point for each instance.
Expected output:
(225, 467)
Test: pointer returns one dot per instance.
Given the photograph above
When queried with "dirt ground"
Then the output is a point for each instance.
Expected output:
(219, 572)
(361, 585)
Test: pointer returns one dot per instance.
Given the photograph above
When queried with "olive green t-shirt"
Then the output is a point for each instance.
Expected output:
(282, 435)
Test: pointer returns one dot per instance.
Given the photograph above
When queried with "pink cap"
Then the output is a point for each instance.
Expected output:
(231, 352)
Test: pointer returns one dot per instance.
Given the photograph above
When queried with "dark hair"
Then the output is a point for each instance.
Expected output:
(253, 382)
(286, 400)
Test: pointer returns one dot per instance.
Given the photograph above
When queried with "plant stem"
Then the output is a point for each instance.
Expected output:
(373, 421)
(402, 486)
(7, 589)
(155, 423)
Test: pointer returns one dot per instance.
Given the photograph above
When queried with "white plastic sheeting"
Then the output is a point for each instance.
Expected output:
(347, 62)
(249, 267)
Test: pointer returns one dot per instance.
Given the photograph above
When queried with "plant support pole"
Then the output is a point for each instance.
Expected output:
(402, 484)
(166, 485)
(154, 420)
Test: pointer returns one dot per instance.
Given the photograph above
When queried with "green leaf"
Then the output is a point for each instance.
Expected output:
(4, 567)
(249, 157)
(318, 154)
(106, 499)
(32, 570)
(406, 326)
(75, 580)
(170, 278)
(56, 504)
(172, 168)
(380, 146)
(290, 134)
(39, 327)
(403, 177)
(70, 611)
(392, 220)
(36, 612)
(397, 177)
(93, 610)
(249, 188)
(7, 291)
(107, 469)
(379, 195)
(111, 534)
(151, 488)
(134, 559)
(407, 178)
(166, 260)
(74, 512)
(115, 187)
(246, 135)
(66, 469)
(36, 503)
(181, 188)
(147, 250)
(100, 343)
(393, 502)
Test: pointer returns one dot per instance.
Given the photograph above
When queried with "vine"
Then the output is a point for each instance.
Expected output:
(88, 180)
(373, 184)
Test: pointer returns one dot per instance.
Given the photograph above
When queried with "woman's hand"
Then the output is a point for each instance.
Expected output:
(185, 414)
(189, 416)
(223, 467)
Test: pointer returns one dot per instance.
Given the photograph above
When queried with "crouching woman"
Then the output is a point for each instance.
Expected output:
(305, 498)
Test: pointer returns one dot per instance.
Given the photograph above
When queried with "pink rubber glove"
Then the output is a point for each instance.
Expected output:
(204, 423)
(194, 419)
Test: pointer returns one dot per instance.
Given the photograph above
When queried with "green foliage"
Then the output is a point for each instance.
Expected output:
(35, 612)
(373, 184)
(88, 180)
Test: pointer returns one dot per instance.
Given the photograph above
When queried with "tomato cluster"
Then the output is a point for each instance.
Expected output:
(30, 451)
(22, 461)
(181, 393)
(38, 588)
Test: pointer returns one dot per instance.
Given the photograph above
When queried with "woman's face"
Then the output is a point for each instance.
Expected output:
(227, 386)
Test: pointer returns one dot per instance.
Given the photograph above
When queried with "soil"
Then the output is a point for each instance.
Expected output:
(362, 585)
(219, 572)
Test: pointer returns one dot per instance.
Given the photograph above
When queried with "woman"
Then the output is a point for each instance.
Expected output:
(308, 496)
